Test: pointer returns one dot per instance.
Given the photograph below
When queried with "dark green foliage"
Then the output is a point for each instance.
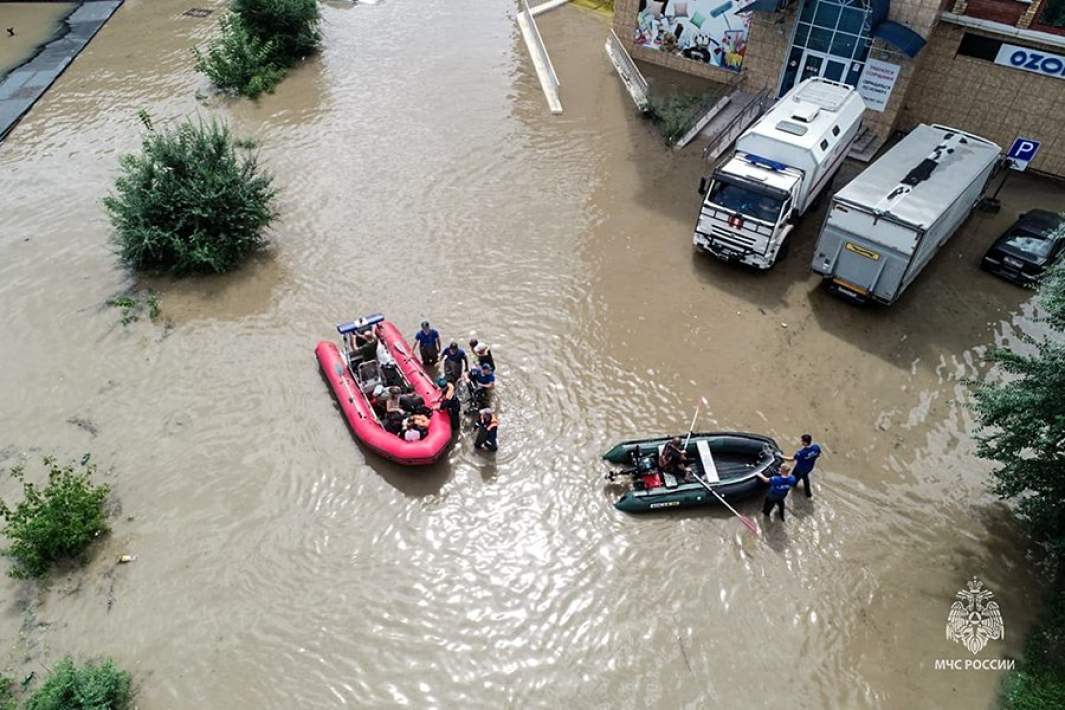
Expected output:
(88, 687)
(1023, 421)
(7, 693)
(194, 200)
(674, 115)
(291, 25)
(1039, 683)
(56, 522)
(238, 62)
(1053, 13)
(259, 40)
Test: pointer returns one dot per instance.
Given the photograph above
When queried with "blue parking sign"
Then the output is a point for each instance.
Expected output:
(1022, 152)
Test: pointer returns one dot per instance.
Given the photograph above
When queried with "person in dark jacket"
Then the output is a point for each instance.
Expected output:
(779, 485)
(483, 353)
(487, 430)
(449, 403)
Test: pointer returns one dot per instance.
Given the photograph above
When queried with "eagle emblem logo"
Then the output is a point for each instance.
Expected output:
(974, 618)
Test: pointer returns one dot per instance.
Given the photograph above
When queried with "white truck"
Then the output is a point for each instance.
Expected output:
(778, 168)
(885, 226)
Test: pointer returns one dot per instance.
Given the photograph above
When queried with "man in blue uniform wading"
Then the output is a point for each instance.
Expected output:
(805, 459)
(428, 344)
(779, 485)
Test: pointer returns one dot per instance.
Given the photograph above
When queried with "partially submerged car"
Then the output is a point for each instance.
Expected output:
(1028, 248)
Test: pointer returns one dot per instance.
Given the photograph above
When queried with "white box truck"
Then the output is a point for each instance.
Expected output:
(885, 226)
(779, 166)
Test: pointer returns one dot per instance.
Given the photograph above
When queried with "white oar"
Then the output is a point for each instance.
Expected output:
(748, 523)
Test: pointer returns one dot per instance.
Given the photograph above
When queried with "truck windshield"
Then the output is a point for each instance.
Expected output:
(745, 201)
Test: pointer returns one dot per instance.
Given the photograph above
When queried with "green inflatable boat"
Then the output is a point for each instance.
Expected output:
(729, 462)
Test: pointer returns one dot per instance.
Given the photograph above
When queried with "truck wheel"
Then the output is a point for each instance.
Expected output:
(782, 253)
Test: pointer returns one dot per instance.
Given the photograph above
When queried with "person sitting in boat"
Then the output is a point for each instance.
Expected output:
(412, 433)
(674, 460)
(487, 430)
(455, 362)
(449, 401)
(377, 400)
(483, 353)
(392, 403)
(393, 422)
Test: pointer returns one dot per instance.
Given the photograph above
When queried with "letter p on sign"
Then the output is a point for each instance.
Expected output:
(1022, 152)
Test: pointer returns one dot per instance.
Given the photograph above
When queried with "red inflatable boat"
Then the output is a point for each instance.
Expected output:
(354, 376)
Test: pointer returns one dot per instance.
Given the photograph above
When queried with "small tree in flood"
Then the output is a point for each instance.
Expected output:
(1023, 419)
(194, 201)
(89, 687)
(258, 42)
(55, 522)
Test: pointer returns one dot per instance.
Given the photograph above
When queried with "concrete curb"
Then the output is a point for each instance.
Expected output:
(25, 84)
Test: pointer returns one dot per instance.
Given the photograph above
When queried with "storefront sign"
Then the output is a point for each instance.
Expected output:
(877, 82)
(1036, 61)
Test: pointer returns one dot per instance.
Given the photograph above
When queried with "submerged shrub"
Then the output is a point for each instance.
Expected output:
(55, 522)
(237, 62)
(290, 25)
(7, 693)
(674, 115)
(194, 201)
(89, 687)
(259, 40)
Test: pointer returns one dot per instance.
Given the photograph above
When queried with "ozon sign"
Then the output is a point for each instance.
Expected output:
(1032, 60)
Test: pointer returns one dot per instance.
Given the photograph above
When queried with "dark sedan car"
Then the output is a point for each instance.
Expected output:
(1027, 248)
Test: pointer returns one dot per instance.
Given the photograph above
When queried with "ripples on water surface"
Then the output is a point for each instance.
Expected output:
(280, 566)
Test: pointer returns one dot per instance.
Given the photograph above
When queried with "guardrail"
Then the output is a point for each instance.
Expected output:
(745, 116)
(628, 71)
(703, 121)
(545, 71)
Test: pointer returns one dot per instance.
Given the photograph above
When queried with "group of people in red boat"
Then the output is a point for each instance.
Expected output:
(406, 414)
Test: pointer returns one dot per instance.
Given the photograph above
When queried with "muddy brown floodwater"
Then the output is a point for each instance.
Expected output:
(34, 24)
(281, 566)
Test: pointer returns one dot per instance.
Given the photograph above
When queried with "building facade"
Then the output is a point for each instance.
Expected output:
(992, 67)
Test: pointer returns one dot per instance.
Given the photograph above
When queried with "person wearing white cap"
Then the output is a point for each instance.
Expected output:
(483, 353)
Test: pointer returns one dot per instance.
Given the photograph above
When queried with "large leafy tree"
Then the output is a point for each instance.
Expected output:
(1023, 420)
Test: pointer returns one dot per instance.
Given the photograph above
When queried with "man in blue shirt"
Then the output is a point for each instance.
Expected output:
(805, 459)
(482, 381)
(428, 344)
(779, 485)
(455, 362)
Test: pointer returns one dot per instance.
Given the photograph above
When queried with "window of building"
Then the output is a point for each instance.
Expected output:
(1053, 13)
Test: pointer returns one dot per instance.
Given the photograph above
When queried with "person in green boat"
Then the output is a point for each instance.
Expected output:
(674, 460)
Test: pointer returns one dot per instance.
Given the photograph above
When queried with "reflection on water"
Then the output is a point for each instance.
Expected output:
(34, 25)
(280, 565)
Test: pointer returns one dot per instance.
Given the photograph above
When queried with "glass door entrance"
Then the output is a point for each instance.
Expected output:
(831, 41)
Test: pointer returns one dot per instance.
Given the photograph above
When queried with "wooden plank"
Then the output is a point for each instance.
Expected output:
(707, 460)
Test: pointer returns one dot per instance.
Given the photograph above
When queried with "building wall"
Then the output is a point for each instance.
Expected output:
(996, 102)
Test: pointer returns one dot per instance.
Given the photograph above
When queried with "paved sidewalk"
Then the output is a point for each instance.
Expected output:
(20, 89)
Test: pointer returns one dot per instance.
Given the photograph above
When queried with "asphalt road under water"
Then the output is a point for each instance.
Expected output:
(281, 566)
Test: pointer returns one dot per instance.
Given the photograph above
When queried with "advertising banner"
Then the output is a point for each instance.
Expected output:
(877, 82)
(707, 31)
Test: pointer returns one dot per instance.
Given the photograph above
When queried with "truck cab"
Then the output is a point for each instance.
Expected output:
(779, 166)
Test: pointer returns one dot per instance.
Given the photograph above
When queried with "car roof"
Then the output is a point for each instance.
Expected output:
(1041, 222)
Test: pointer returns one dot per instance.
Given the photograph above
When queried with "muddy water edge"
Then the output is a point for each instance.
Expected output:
(34, 24)
(279, 565)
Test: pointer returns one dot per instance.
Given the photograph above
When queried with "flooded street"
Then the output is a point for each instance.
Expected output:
(33, 25)
(279, 565)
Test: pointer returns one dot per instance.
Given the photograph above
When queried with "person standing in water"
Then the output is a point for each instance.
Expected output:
(487, 430)
(805, 459)
(455, 362)
(779, 485)
(483, 353)
(449, 402)
(428, 344)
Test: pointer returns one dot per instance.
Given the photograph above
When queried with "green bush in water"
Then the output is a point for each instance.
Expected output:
(7, 693)
(259, 40)
(238, 62)
(291, 26)
(674, 115)
(89, 687)
(194, 201)
(1039, 681)
(55, 522)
